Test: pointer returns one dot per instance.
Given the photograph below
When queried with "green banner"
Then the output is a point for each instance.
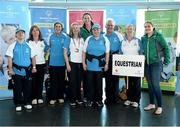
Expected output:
(166, 22)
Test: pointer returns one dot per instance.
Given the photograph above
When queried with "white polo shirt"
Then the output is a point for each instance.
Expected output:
(130, 47)
(76, 48)
(39, 49)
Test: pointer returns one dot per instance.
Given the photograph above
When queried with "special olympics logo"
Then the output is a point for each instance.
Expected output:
(48, 13)
(9, 8)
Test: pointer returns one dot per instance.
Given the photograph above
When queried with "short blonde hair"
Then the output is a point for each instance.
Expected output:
(130, 25)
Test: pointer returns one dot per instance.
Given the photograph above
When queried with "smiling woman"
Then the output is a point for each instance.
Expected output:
(153, 64)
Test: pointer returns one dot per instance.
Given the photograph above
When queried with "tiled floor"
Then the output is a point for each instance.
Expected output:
(113, 115)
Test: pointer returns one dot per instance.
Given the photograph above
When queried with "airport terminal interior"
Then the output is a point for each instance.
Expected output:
(165, 14)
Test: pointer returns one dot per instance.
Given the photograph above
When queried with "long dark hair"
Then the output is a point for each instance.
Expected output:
(90, 17)
(31, 36)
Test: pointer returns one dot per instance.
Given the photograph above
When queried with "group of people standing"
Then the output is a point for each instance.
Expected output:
(86, 55)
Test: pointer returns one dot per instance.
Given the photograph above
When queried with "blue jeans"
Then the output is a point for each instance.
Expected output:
(178, 81)
(153, 74)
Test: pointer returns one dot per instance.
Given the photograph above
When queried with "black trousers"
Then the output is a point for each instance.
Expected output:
(112, 82)
(75, 78)
(57, 79)
(134, 89)
(94, 86)
(21, 90)
(37, 81)
(84, 80)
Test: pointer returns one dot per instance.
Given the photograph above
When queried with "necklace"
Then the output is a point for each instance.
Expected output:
(76, 46)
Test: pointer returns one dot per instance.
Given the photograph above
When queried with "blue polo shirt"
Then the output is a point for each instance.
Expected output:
(21, 54)
(115, 41)
(56, 49)
(96, 47)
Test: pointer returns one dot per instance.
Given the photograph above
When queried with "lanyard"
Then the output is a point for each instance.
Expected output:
(76, 46)
(75, 43)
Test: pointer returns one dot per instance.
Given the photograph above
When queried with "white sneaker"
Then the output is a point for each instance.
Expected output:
(61, 101)
(40, 101)
(158, 111)
(127, 102)
(18, 108)
(134, 104)
(34, 101)
(149, 107)
(28, 106)
(52, 102)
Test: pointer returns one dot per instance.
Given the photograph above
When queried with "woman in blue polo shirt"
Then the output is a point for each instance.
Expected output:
(57, 64)
(95, 58)
(86, 31)
(20, 54)
(132, 46)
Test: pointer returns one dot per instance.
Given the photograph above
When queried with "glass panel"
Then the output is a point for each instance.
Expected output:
(108, 0)
(87, 0)
(47, 0)
(104, 0)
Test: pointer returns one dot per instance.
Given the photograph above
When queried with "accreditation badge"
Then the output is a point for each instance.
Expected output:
(76, 50)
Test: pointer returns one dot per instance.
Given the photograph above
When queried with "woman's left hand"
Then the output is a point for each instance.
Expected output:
(34, 70)
(106, 67)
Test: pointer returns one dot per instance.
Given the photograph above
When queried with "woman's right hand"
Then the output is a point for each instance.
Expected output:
(84, 66)
(68, 68)
(11, 73)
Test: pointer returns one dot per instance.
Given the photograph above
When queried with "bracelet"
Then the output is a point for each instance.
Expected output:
(34, 67)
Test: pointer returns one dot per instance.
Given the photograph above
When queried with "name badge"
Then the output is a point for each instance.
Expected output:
(76, 50)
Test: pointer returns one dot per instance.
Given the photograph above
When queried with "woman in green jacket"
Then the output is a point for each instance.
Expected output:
(86, 29)
(156, 53)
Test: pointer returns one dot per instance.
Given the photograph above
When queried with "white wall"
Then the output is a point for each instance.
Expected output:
(140, 20)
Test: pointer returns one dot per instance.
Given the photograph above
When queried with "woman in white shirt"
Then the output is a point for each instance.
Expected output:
(74, 63)
(40, 47)
(132, 46)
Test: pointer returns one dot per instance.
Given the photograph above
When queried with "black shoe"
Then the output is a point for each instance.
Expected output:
(99, 103)
(89, 104)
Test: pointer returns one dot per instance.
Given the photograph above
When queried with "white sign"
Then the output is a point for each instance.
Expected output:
(128, 65)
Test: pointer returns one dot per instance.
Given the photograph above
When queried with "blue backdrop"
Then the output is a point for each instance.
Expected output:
(12, 15)
(122, 14)
(45, 19)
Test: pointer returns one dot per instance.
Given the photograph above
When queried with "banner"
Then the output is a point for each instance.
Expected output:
(122, 16)
(166, 22)
(12, 15)
(76, 16)
(45, 19)
(128, 65)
